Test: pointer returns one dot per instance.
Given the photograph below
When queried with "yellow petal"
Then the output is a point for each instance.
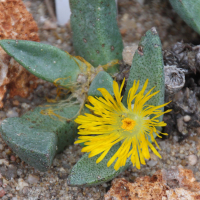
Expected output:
(102, 156)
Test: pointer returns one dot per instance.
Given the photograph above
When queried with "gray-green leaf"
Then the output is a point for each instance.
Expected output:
(45, 61)
(87, 173)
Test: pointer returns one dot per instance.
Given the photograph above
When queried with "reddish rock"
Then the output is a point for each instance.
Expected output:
(15, 23)
(13, 158)
(174, 184)
(2, 193)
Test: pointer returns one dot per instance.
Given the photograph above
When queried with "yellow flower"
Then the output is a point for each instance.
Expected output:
(112, 122)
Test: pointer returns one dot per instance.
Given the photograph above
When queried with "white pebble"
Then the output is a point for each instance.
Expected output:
(180, 124)
(21, 184)
(12, 113)
(175, 138)
(186, 118)
(151, 163)
(192, 159)
(4, 161)
(32, 179)
(104, 185)
(25, 106)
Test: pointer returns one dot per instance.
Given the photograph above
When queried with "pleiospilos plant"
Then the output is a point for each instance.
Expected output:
(116, 132)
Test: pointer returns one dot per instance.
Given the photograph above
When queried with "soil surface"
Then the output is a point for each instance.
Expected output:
(182, 146)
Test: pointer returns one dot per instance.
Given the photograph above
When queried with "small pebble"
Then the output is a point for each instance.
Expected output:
(1, 147)
(168, 162)
(180, 124)
(186, 118)
(12, 113)
(25, 106)
(175, 138)
(21, 184)
(182, 156)
(183, 163)
(168, 150)
(15, 102)
(8, 152)
(192, 159)
(2, 193)
(151, 163)
(198, 130)
(4, 161)
(25, 190)
(9, 172)
(153, 157)
(7, 187)
(19, 172)
(1, 182)
(104, 185)
(56, 162)
(9, 195)
(32, 179)
(182, 150)
(48, 25)
(2, 114)
(4, 155)
(13, 158)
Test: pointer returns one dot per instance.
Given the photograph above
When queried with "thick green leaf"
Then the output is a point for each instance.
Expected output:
(189, 11)
(87, 173)
(36, 138)
(101, 80)
(96, 36)
(45, 61)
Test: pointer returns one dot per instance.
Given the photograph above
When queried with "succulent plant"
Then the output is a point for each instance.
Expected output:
(39, 134)
(188, 11)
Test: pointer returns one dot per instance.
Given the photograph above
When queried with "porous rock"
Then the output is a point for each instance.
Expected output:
(173, 184)
(15, 23)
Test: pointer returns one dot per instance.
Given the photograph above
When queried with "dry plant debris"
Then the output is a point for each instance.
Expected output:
(15, 23)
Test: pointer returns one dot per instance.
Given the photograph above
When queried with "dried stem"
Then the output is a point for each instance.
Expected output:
(50, 10)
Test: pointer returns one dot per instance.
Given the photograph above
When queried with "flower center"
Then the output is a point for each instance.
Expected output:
(128, 124)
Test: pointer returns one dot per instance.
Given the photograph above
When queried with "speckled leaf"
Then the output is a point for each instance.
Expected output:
(189, 11)
(45, 61)
(148, 64)
(96, 36)
(36, 138)
(87, 173)
(101, 80)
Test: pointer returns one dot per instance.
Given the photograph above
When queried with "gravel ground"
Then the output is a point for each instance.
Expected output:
(20, 181)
